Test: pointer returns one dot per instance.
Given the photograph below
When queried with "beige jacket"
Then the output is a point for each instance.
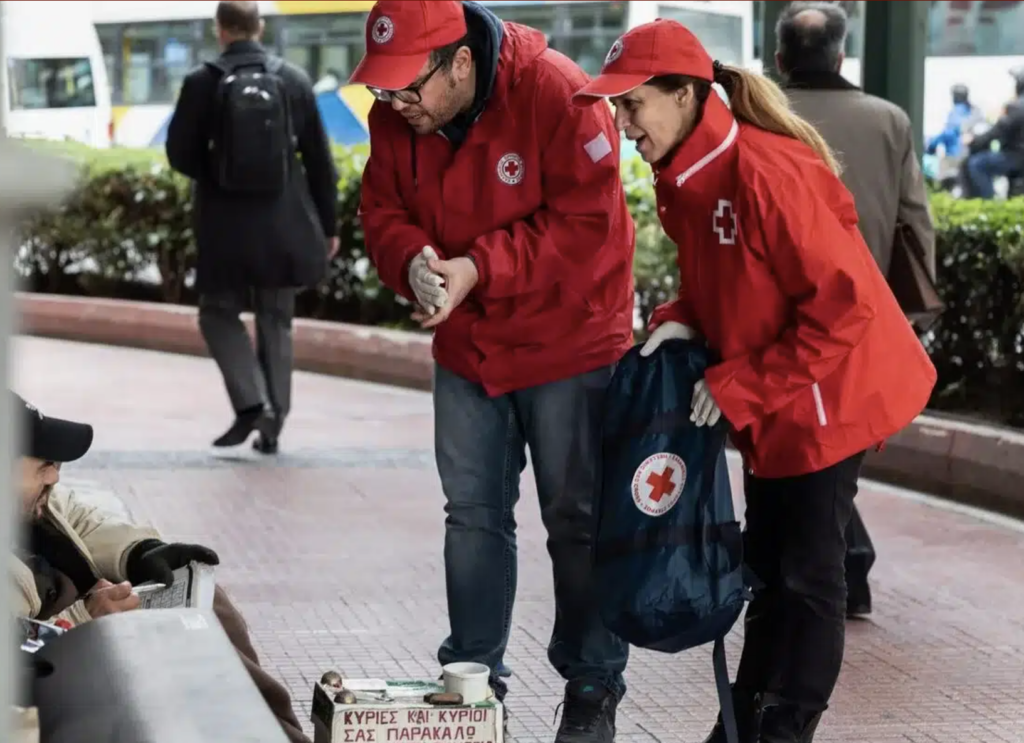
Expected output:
(103, 538)
(873, 140)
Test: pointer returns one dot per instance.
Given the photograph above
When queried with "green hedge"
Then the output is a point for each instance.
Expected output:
(130, 213)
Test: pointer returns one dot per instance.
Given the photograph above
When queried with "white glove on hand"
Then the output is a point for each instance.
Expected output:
(667, 331)
(427, 285)
(703, 408)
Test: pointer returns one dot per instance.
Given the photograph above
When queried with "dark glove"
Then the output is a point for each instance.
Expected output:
(153, 560)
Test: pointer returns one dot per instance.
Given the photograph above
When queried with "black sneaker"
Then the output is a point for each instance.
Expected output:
(588, 713)
(241, 429)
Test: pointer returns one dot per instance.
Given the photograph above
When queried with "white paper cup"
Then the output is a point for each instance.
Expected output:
(467, 679)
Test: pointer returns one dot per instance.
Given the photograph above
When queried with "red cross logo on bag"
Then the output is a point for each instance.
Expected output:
(658, 482)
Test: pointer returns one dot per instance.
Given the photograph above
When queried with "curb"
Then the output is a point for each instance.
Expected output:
(969, 463)
(360, 352)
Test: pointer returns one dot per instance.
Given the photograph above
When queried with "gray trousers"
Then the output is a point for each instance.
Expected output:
(260, 376)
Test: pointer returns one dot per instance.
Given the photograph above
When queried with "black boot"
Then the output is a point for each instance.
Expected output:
(747, 708)
(243, 426)
(784, 722)
(269, 426)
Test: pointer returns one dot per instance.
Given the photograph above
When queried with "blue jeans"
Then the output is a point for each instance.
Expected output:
(983, 167)
(480, 443)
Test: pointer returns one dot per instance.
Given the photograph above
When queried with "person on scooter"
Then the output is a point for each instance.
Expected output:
(984, 164)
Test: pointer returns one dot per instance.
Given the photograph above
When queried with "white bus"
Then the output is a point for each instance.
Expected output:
(54, 74)
(150, 46)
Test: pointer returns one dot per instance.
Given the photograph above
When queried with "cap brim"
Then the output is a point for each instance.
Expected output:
(607, 86)
(59, 440)
(388, 71)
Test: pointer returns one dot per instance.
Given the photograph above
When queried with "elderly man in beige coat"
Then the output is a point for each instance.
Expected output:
(874, 142)
(78, 561)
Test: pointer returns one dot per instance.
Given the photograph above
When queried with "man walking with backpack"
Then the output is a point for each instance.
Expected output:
(265, 222)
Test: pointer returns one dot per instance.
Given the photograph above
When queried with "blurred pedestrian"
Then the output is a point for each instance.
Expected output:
(874, 141)
(247, 130)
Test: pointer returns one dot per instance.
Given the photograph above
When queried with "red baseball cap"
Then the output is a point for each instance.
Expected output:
(400, 35)
(661, 47)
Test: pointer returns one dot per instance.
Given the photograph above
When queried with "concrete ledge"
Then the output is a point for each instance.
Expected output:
(966, 462)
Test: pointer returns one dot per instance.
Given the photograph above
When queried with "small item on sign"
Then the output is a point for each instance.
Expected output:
(333, 679)
(443, 698)
(345, 696)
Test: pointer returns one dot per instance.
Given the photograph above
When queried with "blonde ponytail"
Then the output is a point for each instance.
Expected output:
(756, 100)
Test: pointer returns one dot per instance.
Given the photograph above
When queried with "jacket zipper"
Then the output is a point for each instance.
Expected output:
(819, 405)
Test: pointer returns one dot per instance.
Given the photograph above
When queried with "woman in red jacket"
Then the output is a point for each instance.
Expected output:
(818, 362)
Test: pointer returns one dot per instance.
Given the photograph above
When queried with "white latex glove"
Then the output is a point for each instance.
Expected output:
(427, 285)
(703, 408)
(667, 331)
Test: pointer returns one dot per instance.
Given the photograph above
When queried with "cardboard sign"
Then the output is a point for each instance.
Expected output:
(394, 712)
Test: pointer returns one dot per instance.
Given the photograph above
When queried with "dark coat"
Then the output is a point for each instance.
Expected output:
(874, 142)
(256, 241)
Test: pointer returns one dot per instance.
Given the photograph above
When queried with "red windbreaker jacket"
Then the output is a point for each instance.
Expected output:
(534, 195)
(819, 363)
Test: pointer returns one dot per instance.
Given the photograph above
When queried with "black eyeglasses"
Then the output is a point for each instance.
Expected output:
(411, 95)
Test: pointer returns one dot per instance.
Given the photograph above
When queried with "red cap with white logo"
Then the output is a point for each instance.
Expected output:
(400, 35)
(661, 47)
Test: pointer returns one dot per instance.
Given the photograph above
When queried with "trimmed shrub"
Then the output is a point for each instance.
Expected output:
(125, 232)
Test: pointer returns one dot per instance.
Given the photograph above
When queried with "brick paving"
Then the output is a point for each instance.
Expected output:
(333, 553)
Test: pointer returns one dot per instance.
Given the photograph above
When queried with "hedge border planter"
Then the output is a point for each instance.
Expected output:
(966, 462)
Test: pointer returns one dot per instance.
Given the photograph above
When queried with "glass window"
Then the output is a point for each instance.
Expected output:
(540, 17)
(721, 35)
(208, 48)
(110, 44)
(322, 44)
(854, 29)
(962, 29)
(51, 83)
(583, 31)
(156, 59)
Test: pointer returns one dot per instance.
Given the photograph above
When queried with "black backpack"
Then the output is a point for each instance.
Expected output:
(252, 144)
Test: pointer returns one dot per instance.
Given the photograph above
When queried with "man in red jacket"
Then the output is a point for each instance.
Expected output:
(496, 207)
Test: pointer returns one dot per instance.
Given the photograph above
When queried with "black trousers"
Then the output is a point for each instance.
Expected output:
(860, 558)
(794, 541)
(260, 376)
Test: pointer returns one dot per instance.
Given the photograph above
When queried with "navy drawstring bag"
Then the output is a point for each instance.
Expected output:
(668, 551)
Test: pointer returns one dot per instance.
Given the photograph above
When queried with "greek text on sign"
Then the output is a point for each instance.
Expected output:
(459, 725)
(396, 713)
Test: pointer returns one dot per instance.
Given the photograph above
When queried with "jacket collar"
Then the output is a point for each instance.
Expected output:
(817, 80)
(244, 46)
(712, 137)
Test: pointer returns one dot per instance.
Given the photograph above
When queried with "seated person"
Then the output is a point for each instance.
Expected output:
(984, 164)
(78, 562)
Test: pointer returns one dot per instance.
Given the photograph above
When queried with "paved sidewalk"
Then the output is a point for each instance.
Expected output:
(333, 553)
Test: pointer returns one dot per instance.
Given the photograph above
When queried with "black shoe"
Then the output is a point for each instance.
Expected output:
(588, 713)
(747, 708)
(858, 598)
(241, 429)
(269, 426)
(783, 722)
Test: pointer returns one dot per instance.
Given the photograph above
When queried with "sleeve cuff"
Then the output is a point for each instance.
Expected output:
(718, 379)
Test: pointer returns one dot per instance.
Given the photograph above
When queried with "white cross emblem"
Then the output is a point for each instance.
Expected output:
(724, 223)
(614, 53)
(382, 30)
